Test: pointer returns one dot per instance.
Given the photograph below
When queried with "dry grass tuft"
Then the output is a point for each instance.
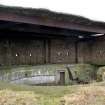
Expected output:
(9, 97)
(90, 95)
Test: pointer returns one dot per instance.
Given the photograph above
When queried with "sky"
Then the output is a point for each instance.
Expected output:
(93, 9)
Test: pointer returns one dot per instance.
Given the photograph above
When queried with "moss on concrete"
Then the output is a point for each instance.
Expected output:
(84, 72)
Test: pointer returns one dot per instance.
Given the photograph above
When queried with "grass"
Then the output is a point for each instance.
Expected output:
(91, 94)
(88, 95)
(50, 91)
(47, 95)
(9, 97)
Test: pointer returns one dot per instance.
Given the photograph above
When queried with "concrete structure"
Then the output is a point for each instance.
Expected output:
(37, 36)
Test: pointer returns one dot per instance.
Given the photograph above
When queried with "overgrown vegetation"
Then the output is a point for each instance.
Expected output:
(9, 97)
(92, 94)
(45, 95)
(86, 95)
(100, 74)
(84, 72)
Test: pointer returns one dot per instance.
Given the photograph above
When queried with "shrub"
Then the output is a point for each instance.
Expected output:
(100, 74)
(83, 72)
